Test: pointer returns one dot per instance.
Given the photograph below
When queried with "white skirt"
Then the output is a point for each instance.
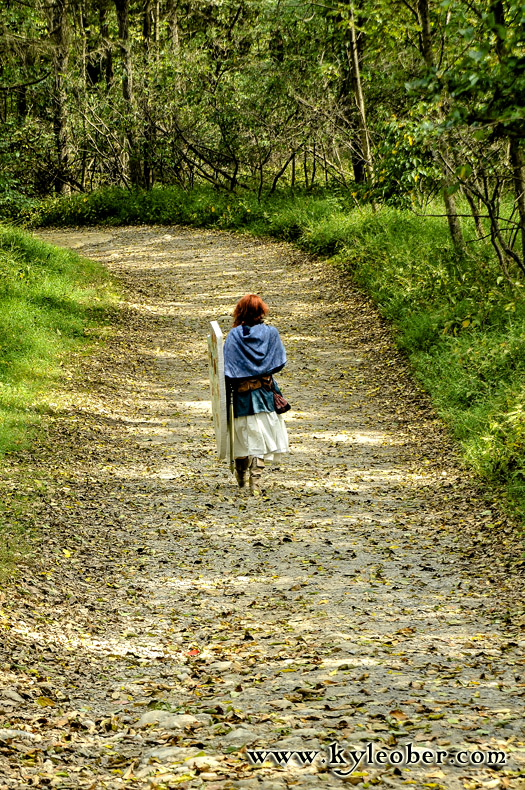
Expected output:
(263, 434)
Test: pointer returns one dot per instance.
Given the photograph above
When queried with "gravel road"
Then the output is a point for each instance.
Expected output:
(170, 625)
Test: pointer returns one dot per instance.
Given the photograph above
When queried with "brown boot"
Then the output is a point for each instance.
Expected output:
(241, 467)
(256, 467)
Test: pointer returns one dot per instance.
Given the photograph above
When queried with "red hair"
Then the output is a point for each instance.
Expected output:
(250, 309)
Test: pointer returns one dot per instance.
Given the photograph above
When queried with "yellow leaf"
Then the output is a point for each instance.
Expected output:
(66, 552)
(45, 702)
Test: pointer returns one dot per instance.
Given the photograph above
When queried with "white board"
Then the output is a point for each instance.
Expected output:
(218, 390)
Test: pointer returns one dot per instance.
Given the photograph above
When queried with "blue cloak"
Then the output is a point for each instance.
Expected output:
(251, 351)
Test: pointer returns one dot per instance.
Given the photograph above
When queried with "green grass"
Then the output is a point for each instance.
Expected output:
(463, 328)
(48, 299)
(460, 322)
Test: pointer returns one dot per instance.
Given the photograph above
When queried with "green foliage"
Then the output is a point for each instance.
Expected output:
(408, 169)
(257, 95)
(48, 297)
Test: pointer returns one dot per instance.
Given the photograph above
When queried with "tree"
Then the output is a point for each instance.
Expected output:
(396, 102)
(58, 31)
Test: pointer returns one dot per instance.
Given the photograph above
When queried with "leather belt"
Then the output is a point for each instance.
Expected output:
(254, 384)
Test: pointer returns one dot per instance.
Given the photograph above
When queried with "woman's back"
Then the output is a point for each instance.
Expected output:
(253, 352)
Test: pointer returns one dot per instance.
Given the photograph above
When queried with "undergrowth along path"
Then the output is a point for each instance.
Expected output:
(170, 623)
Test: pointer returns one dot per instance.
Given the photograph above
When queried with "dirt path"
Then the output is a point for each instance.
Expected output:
(171, 623)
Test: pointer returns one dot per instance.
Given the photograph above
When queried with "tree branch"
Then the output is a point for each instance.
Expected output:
(24, 84)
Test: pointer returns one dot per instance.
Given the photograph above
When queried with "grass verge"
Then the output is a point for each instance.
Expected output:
(49, 298)
(461, 323)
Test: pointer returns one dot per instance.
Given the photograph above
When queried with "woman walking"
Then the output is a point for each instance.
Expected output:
(253, 352)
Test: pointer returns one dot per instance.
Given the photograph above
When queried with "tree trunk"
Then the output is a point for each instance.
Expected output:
(425, 40)
(454, 224)
(107, 57)
(59, 103)
(348, 107)
(355, 71)
(21, 101)
(305, 168)
(425, 46)
(122, 8)
(282, 170)
(84, 72)
(518, 175)
(475, 209)
(517, 159)
(156, 23)
(173, 24)
(351, 93)
(149, 130)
